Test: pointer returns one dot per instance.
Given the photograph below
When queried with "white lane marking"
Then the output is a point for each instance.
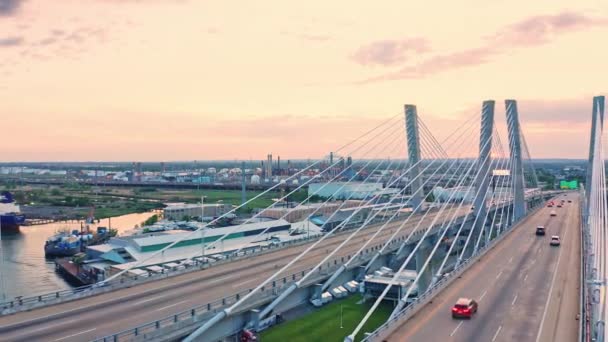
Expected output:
(220, 279)
(559, 256)
(532, 262)
(456, 329)
(170, 306)
(148, 300)
(51, 326)
(526, 277)
(76, 334)
(497, 332)
(246, 282)
(514, 300)
(511, 260)
(498, 275)
(483, 295)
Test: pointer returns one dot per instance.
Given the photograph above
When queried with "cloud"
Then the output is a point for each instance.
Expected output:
(389, 52)
(540, 30)
(11, 41)
(534, 31)
(9, 7)
(315, 37)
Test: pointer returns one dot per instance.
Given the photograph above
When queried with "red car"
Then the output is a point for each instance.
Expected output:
(464, 308)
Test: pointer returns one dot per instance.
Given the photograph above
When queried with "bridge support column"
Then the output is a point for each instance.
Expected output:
(360, 273)
(400, 254)
(482, 181)
(316, 290)
(414, 155)
(254, 319)
(427, 276)
(517, 169)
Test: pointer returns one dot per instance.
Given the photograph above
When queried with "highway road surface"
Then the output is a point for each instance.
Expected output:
(527, 290)
(110, 313)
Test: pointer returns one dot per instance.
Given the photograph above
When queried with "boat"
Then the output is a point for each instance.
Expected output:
(63, 244)
(10, 216)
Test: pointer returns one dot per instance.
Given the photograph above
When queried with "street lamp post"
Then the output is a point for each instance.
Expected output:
(202, 228)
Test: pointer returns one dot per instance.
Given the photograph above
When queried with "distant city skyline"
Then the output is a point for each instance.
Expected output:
(171, 80)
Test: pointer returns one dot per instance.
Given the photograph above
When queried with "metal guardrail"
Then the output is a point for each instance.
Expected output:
(390, 325)
(584, 331)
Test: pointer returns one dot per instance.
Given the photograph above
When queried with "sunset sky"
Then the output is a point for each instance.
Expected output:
(152, 80)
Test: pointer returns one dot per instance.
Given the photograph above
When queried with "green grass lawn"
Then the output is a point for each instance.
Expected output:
(324, 323)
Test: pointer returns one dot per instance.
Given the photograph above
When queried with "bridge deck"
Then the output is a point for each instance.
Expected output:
(517, 288)
(109, 313)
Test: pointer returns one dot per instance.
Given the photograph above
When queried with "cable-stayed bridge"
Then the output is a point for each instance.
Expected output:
(460, 212)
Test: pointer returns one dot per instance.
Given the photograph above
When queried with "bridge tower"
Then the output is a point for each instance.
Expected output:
(414, 155)
(517, 169)
(484, 176)
(598, 106)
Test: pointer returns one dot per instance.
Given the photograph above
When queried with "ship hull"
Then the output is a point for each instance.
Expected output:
(9, 224)
(54, 251)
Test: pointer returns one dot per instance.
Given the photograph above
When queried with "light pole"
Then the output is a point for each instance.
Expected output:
(202, 228)
(341, 318)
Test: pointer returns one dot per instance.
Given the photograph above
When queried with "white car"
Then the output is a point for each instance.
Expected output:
(555, 241)
(553, 213)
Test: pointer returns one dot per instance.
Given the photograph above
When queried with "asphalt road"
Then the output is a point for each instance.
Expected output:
(109, 313)
(527, 290)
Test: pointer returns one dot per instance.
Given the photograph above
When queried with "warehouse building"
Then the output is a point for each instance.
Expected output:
(345, 190)
(180, 211)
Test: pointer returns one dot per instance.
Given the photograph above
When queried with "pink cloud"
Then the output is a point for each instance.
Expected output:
(390, 52)
(530, 32)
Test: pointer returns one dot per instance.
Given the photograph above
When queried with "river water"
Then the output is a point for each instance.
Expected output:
(24, 271)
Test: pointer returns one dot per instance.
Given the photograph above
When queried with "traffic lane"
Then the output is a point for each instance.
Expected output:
(134, 315)
(562, 307)
(494, 290)
(523, 321)
(473, 283)
(519, 301)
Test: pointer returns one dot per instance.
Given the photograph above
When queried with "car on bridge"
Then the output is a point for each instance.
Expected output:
(464, 308)
(540, 230)
(553, 213)
(555, 240)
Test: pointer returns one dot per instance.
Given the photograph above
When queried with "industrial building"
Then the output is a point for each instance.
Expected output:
(179, 211)
(130, 249)
(302, 212)
(345, 190)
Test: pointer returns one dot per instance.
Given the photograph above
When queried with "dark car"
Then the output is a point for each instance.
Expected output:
(540, 230)
(464, 308)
